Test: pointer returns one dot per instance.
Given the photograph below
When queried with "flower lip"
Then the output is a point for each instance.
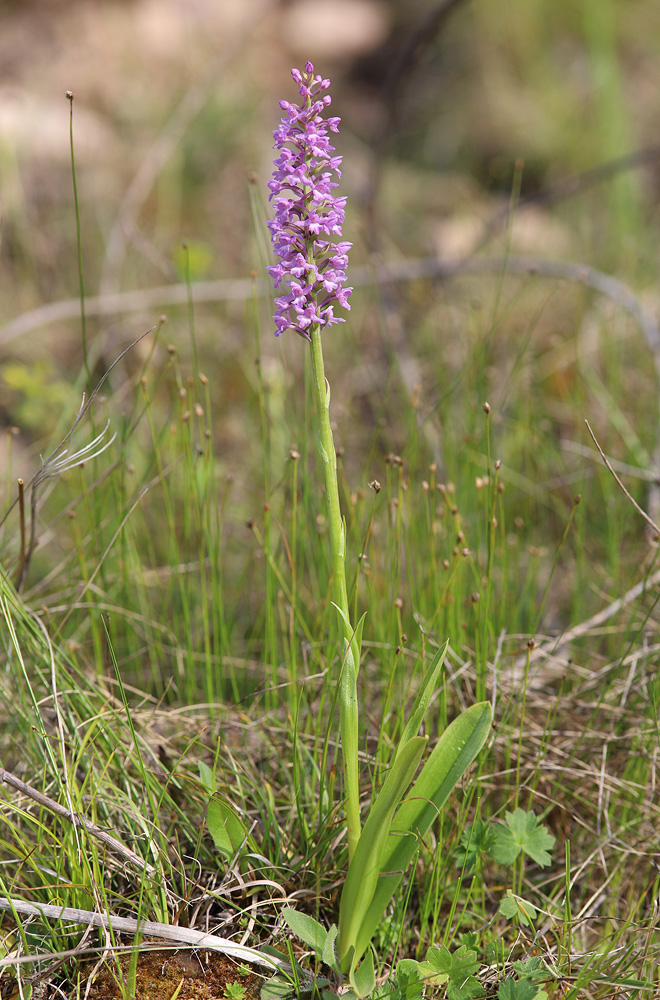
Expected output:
(311, 269)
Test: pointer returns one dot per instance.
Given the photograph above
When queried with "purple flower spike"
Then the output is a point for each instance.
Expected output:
(308, 217)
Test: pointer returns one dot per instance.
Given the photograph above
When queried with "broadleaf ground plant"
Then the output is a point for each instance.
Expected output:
(311, 276)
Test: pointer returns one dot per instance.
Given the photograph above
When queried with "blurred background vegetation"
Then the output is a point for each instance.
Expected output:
(526, 127)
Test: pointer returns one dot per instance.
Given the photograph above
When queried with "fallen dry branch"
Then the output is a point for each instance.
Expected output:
(128, 925)
(241, 289)
(78, 821)
(548, 650)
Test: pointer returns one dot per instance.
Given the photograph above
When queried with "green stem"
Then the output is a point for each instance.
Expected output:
(348, 703)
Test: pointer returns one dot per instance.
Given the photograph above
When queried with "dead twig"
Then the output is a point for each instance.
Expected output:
(376, 274)
(128, 925)
(546, 650)
(77, 820)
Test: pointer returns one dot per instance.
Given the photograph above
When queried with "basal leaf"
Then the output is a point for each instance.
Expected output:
(363, 979)
(456, 749)
(365, 866)
(329, 955)
(307, 929)
(226, 827)
(424, 695)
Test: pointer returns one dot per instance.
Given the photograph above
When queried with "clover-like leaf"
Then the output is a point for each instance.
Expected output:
(530, 968)
(514, 907)
(459, 964)
(522, 832)
(518, 989)
(476, 841)
(469, 989)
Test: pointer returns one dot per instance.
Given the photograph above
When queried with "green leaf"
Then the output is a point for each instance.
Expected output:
(476, 842)
(457, 965)
(410, 981)
(235, 991)
(424, 695)
(514, 907)
(363, 979)
(431, 975)
(307, 929)
(365, 866)
(517, 989)
(349, 630)
(329, 955)
(522, 832)
(229, 833)
(408, 969)
(456, 749)
(469, 989)
(530, 968)
(277, 989)
(455, 968)
(206, 777)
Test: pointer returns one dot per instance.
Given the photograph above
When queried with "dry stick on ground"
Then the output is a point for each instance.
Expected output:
(128, 925)
(59, 959)
(379, 274)
(78, 821)
(548, 649)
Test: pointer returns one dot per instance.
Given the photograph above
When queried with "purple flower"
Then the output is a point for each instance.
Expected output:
(311, 272)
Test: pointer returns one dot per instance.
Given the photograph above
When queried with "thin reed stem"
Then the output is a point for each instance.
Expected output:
(81, 285)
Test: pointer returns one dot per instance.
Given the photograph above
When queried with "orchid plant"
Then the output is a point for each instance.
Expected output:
(310, 277)
(312, 268)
